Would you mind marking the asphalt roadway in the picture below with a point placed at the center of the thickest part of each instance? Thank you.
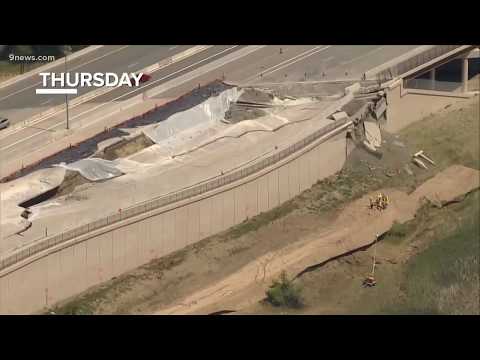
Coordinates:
(19, 100)
(271, 64)
(320, 62)
(268, 64)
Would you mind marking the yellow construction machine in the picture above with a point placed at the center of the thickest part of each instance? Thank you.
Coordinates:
(381, 202)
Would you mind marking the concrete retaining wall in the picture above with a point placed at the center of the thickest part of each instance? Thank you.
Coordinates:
(98, 256)
(407, 106)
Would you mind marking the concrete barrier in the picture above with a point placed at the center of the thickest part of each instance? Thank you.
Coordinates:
(175, 58)
(474, 54)
(189, 52)
(352, 89)
(415, 60)
(372, 73)
(204, 69)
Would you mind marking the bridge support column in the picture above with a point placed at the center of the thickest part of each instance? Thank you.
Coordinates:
(465, 73)
(432, 79)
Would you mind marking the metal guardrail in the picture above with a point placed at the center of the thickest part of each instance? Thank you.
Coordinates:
(162, 201)
(415, 61)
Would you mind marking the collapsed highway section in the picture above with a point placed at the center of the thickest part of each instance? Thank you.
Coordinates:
(160, 186)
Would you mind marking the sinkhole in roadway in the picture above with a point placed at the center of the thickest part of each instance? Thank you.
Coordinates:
(71, 180)
(125, 146)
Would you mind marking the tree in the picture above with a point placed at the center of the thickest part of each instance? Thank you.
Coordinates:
(23, 50)
(283, 292)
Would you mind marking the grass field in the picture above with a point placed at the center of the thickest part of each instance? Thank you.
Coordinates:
(9, 70)
(444, 278)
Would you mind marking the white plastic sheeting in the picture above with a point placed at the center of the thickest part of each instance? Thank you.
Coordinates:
(94, 169)
(194, 120)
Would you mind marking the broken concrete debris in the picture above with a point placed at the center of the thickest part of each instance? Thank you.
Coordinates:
(422, 155)
(339, 115)
(419, 163)
(380, 108)
(372, 134)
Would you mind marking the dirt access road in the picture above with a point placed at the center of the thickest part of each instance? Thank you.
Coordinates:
(355, 227)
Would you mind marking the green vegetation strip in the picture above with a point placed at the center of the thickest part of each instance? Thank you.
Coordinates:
(444, 278)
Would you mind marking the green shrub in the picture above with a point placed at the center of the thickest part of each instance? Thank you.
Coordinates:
(399, 232)
(398, 229)
(72, 309)
(284, 293)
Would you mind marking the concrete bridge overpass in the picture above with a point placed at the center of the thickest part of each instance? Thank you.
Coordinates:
(421, 60)
(411, 82)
